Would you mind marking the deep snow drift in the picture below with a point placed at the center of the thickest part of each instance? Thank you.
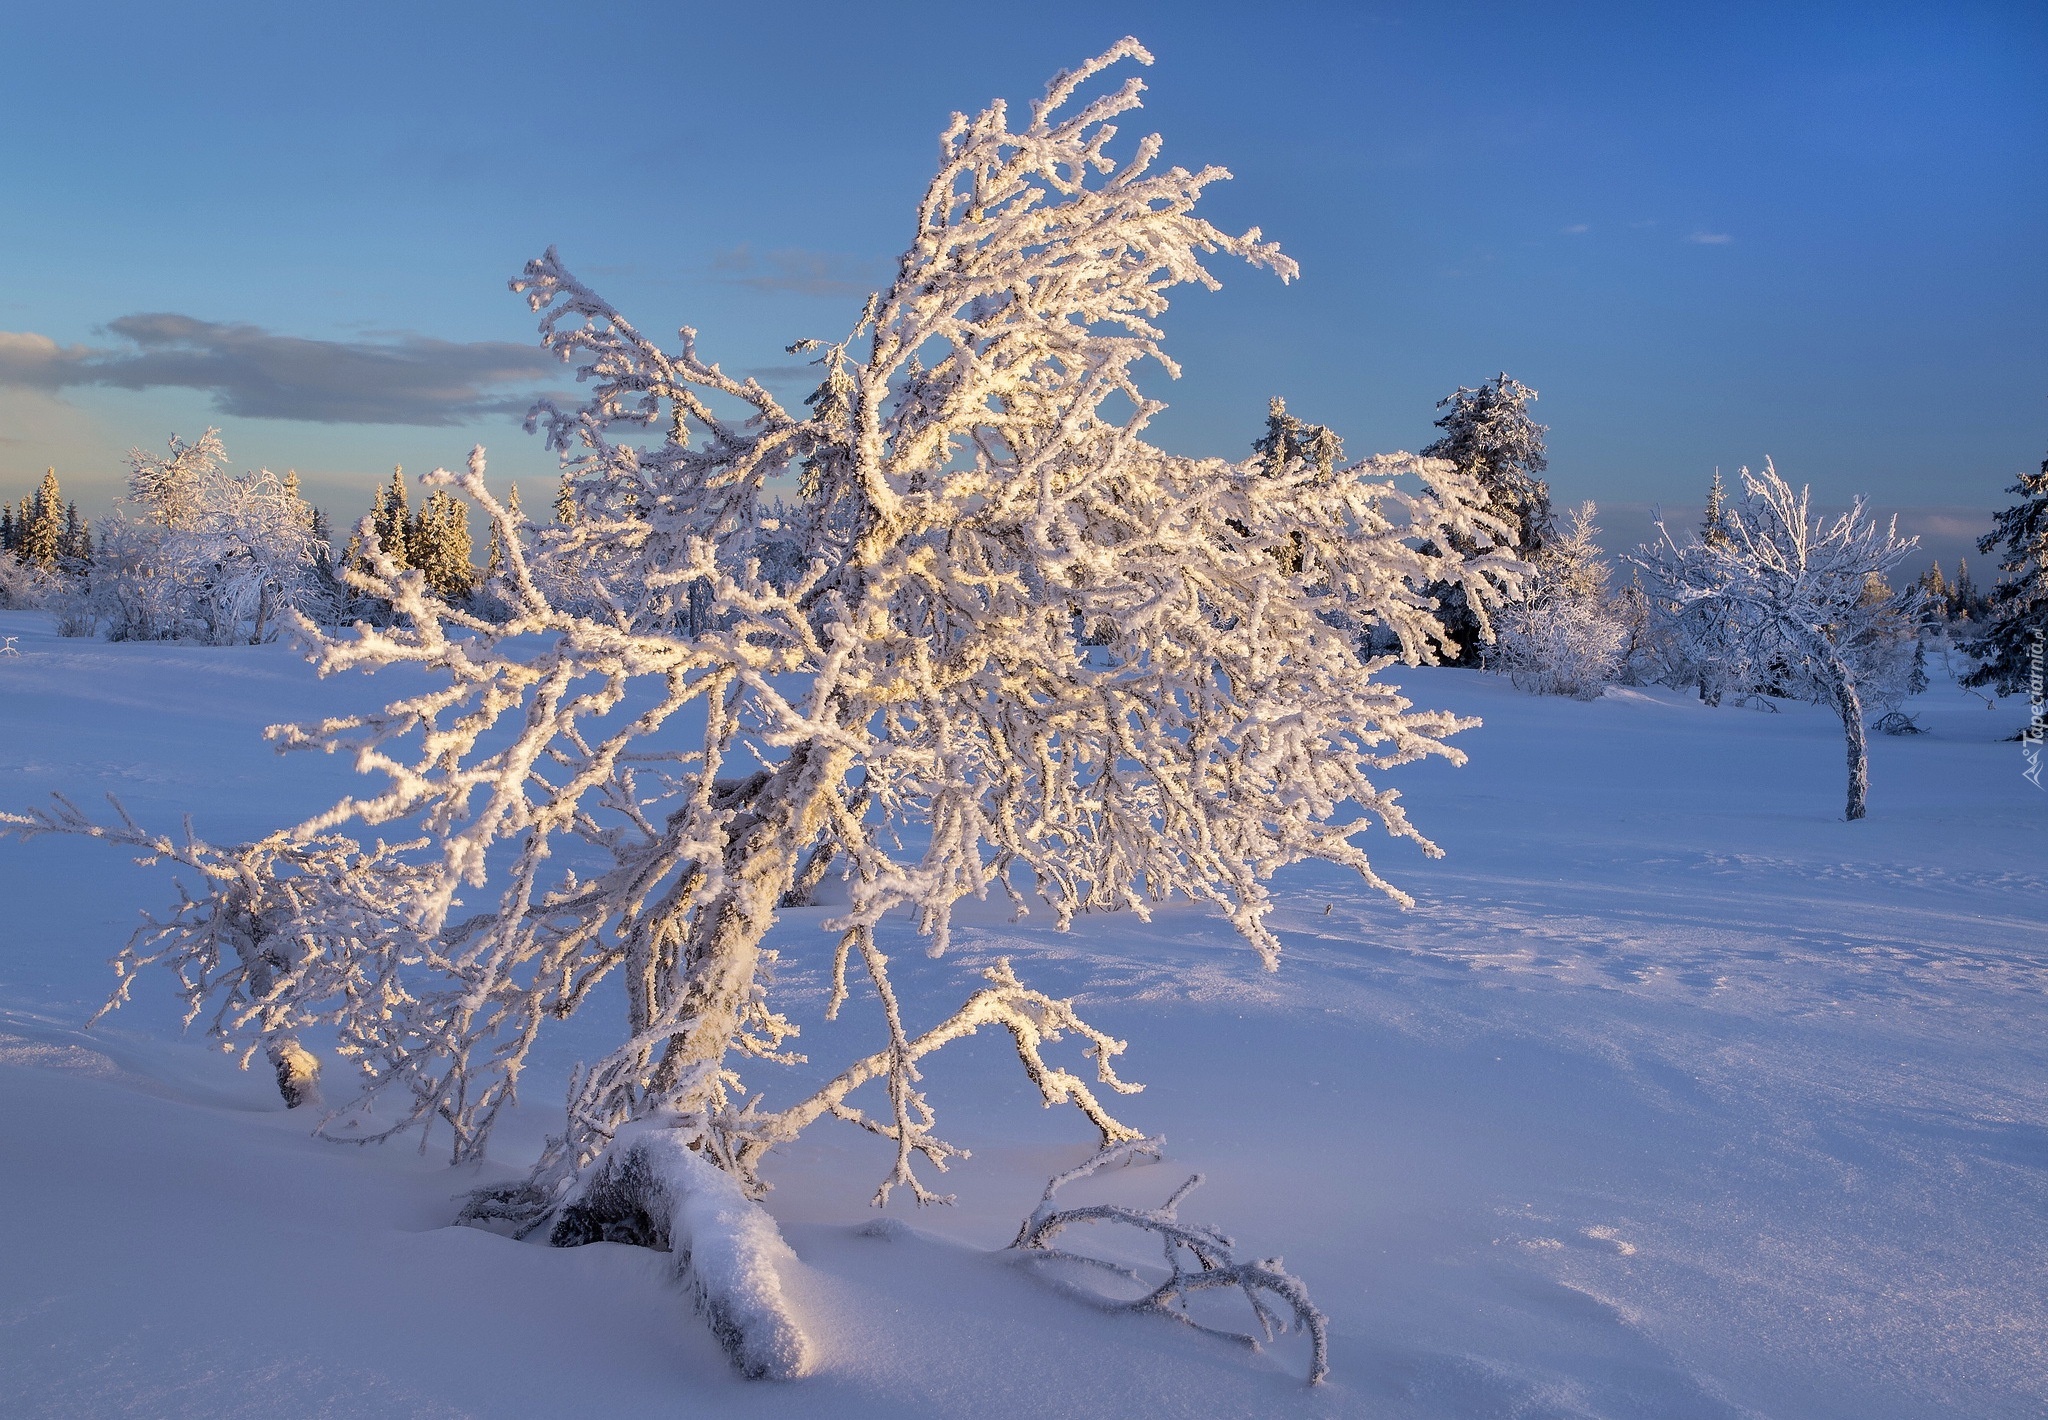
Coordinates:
(1675, 1096)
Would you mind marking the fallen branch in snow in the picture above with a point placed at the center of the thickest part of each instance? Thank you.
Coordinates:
(1216, 1264)
(651, 1188)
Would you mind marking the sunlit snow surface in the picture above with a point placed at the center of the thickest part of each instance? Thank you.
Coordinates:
(1675, 1097)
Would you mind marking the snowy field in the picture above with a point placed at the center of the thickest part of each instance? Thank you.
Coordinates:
(1674, 1097)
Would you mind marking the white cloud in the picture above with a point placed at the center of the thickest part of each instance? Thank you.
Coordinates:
(1577, 229)
(1711, 239)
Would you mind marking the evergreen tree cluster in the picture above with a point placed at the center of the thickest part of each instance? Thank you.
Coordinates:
(435, 540)
(44, 531)
(1959, 601)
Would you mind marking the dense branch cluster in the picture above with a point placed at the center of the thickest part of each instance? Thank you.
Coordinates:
(952, 628)
(202, 554)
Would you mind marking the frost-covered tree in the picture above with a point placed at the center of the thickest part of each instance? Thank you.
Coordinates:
(1489, 435)
(1714, 524)
(39, 525)
(253, 552)
(206, 554)
(1568, 637)
(633, 777)
(2014, 625)
(1934, 593)
(1289, 443)
(391, 519)
(1786, 588)
(437, 542)
(166, 489)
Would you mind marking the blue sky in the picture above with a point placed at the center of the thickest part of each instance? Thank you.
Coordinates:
(1705, 233)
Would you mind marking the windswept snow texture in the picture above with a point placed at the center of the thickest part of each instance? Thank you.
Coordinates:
(1675, 1097)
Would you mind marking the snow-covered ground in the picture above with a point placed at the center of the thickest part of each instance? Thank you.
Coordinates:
(1675, 1096)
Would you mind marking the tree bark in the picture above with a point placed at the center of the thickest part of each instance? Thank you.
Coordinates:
(1849, 706)
(722, 952)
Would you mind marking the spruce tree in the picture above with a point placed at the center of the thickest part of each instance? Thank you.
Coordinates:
(1934, 591)
(43, 539)
(1963, 598)
(1287, 443)
(391, 520)
(76, 548)
(2014, 641)
(1714, 527)
(1489, 435)
(7, 528)
(439, 544)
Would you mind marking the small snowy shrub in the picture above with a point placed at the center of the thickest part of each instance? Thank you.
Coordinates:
(23, 585)
(1568, 637)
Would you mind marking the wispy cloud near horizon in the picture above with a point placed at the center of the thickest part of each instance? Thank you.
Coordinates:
(800, 271)
(1711, 239)
(256, 373)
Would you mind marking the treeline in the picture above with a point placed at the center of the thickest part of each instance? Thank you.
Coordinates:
(197, 552)
(43, 530)
(1698, 608)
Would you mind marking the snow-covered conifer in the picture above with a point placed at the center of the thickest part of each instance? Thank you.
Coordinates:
(1714, 525)
(1786, 588)
(437, 542)
(494, 558)
(2008, 644)
(74, 544)
(1966, 600)
(1934, 593)
(39, 526)
(391, 519)
(1490, 436)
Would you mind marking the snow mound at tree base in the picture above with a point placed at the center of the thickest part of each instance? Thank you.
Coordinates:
(651, 1189)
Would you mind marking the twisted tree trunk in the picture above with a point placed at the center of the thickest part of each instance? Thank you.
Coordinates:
(1849, 705)
(713, 980)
